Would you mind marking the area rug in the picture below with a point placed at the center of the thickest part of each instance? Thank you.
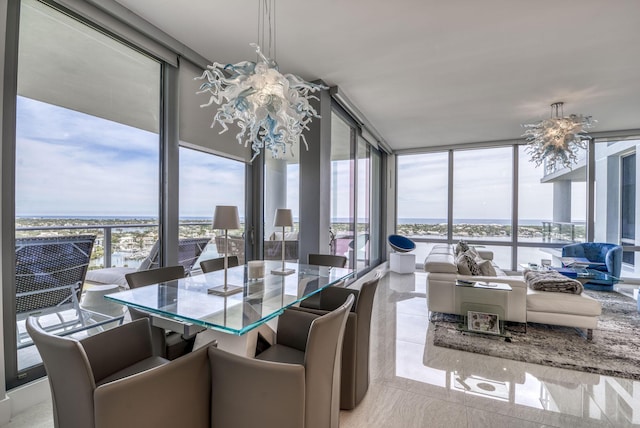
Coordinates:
(614, 350)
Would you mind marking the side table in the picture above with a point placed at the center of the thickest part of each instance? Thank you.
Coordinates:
(483, 306)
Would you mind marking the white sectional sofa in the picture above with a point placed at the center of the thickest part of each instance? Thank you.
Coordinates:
(524, 305)
(441, 283)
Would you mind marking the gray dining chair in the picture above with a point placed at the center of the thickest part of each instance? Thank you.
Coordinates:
(313, 302)
(327, 260)
(213, 265)
(355, 351)
(293, 384)
(176, 394)
(77, 368)
(167, 344)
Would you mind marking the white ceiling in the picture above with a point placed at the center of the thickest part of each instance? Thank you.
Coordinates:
(432, 73)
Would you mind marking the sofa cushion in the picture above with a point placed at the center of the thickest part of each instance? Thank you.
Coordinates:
(486, 268)
(112, 275)
(441, 249)
(444, 263)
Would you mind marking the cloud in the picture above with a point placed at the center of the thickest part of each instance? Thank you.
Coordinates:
(482, 186)
(208, 180)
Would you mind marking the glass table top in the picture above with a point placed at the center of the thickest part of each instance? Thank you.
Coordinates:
(586, 273)
(188, 299)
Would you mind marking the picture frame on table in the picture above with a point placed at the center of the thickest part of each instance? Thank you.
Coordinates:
(483, 322)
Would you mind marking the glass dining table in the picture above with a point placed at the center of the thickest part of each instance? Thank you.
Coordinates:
(186, 305)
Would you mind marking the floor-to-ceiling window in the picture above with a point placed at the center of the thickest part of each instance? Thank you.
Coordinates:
(482, 195)
(616, 198)
(375, 218)
(362, 244)
(628, 206)
(342, 187)
(281, 190)
(551, 208)
(422, 208)
(202, 176)
(87, 150)
(356, 179)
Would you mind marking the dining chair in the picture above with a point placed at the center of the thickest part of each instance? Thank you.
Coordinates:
(355, 351)
(293, 384)
(313, 301)
(213, 265)
(77, 368)
(112, 380)
(167, 344)
(327, 260)
(176, 394)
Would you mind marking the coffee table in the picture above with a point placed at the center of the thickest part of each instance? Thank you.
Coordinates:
(484, 306)
(582, 274)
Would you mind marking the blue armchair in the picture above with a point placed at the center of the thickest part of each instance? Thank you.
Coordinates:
(598, 252)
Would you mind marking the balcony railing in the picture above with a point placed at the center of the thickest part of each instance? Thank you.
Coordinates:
(557, 231)
(105, 233)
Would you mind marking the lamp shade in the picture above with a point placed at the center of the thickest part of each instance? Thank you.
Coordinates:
(283, 218)
(226, 217)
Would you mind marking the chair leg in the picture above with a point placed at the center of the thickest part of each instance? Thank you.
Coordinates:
(589, 334)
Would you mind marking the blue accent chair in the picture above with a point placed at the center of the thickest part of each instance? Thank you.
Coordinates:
(598, 252)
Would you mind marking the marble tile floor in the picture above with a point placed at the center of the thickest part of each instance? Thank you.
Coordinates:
(417, 385)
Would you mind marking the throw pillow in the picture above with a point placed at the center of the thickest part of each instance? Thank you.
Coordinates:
(463, 267)
(487, 268)
(461, 247)
(467, 261)
(471, 262)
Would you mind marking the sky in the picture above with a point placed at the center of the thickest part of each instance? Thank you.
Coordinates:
(73, 164)
(482, 186)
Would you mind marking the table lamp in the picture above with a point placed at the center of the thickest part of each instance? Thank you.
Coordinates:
(283, 219)
(226, 217)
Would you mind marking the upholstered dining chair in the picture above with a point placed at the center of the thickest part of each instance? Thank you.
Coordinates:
(213, 265)
(313, 302)
(76, 368)
(293, 384)
(170, 345)
(112, 380)
(355, 351)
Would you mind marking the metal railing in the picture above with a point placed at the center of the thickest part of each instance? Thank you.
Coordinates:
(559, 231)
(107, 232)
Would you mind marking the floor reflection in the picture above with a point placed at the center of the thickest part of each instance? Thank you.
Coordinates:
(528, 391)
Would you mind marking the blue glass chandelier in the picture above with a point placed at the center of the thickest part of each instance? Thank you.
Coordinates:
(271, 109)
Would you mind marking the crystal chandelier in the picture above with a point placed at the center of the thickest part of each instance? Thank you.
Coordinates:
(558, 139)
(271, 109)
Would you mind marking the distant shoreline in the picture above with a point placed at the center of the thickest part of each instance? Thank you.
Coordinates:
(529, 222)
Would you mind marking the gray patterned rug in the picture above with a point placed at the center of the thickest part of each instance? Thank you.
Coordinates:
(614, 350)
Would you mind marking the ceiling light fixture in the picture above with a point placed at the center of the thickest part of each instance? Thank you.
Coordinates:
(271, 109)
(557, 140)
